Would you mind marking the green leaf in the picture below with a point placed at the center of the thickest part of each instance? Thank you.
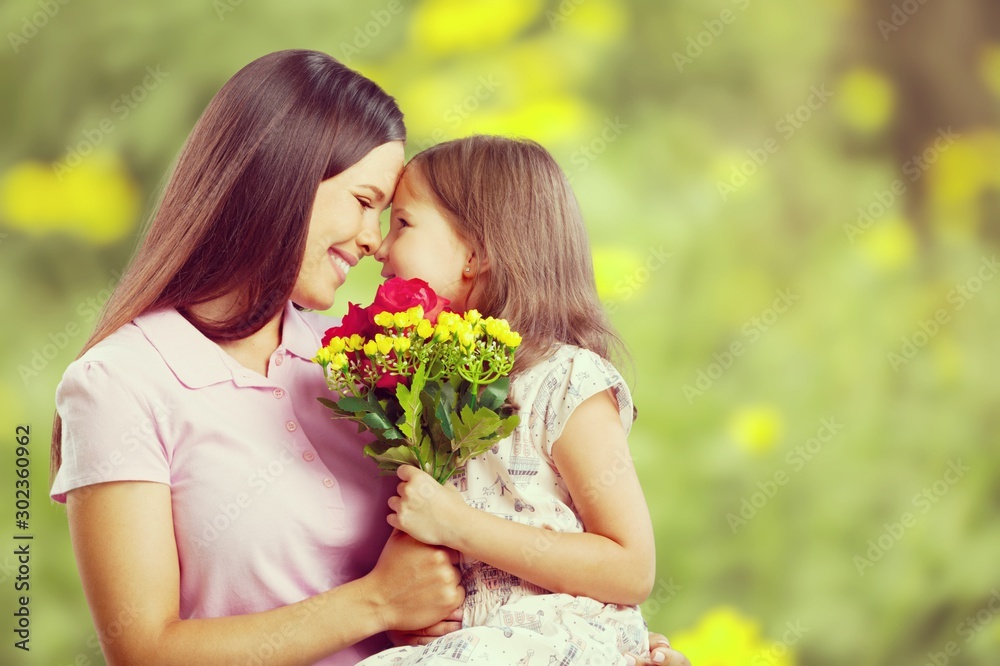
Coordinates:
(394, 457)
(495, 394)
(409, 401)
(335, 408)
(354, 405)
(378, 422)
(472, 426)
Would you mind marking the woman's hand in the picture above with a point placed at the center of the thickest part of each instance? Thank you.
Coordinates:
(415, 585)
(660, 654)
(424, 636)
(425, 509)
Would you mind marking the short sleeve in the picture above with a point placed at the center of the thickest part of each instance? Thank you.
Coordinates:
(570, 380)
(109, 432)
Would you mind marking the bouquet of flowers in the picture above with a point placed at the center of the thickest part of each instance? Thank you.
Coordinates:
(430, 384)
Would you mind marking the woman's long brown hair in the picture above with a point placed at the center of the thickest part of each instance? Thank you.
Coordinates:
(234, 216)
(509, 200)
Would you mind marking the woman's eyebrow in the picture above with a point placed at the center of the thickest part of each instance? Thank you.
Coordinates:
(379, 194)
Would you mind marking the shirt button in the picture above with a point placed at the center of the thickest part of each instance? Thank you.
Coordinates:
(279, 393)
(279, 359)
(291, 426)
(308, 456)
(328, 482)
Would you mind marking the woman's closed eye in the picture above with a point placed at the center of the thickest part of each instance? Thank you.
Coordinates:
(365, 203)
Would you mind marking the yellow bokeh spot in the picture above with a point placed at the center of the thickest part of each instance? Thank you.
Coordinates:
(612, 268)
(989, 67)
(95, 199)
(958, 179)
(444, 27)
(724, 637)
(548, 119)
(757, 429)
(600, 21)
(865, 99)
(959, 172)
(889, 244)
(949, 361)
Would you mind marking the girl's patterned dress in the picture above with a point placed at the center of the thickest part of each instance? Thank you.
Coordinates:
(508, 620)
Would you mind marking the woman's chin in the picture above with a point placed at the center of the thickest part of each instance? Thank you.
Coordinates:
(315, 301)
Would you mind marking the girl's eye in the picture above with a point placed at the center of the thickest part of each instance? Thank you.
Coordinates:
(402, 223)
(364, 203)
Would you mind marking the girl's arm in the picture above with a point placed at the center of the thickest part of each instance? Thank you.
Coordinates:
(613, 561)
(123, 537)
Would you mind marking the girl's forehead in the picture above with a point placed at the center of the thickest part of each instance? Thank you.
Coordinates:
(411, 183)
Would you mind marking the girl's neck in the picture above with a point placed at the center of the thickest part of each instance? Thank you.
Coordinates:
(252, 352)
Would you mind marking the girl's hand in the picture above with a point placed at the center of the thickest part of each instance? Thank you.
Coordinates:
(426, 510)
(424, 636)
(660, 654)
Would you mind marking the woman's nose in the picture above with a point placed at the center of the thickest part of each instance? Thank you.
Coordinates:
(370, 238)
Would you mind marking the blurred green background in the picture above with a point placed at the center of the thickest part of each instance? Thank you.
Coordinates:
(793, 209)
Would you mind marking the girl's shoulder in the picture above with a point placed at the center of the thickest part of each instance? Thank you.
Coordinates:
(549, 391)
(571, 361)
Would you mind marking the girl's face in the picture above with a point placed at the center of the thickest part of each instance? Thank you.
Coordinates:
(422, 243)
(344, 225)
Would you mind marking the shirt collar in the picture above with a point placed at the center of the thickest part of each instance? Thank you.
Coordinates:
(198, 362)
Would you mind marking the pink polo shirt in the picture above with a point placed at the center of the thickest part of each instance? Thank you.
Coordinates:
(273, 501)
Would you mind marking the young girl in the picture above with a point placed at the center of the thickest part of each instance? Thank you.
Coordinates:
(555, 534)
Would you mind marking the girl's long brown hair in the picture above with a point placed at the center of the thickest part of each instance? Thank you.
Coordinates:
(234, 216)
(509, 200)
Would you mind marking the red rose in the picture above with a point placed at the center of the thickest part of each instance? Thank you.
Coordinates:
(357, 320)
(399, 295)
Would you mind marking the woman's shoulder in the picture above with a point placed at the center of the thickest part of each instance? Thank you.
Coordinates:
(319, 322)
(124, 347)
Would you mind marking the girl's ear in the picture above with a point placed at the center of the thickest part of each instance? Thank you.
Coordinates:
(475, 264)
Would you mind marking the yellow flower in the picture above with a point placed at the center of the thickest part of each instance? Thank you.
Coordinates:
(383, 342)
(466, 338)
(724, 637)
(401, 319)
(401, 344)
(337, 345)
(322, 356)
(425, 328)
(473, 316)
(442, 332)
(416, 313)
(512, 339)
(339, 362)
(497, 328)
(384, 319)
(370, 348)
(355, 342)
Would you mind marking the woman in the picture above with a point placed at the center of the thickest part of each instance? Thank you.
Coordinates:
(215, 511)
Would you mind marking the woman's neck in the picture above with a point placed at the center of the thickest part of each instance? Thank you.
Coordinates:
(254, 351)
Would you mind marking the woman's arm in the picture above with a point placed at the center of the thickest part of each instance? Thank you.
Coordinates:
(613, 561)
(123, 537)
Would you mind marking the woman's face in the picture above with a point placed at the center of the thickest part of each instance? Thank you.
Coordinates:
(422, 243)
(344, 225)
